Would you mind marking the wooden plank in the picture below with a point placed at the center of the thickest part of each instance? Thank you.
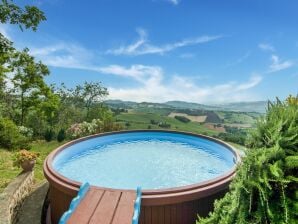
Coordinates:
(161, 214)
(85, 209)
(105, 210)
(125, 208)
(168, 214)
(154, 214)
(179, 213)
(148, 215)
(142, 216)
(174, 214)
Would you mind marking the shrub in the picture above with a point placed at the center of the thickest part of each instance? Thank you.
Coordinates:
(61, 135)
(154, 122)
(49, 135)
(10, 137)
(85, 128)
(238, 138)
(27, 132)
(265, 189)
(182, 119)
(164, 125)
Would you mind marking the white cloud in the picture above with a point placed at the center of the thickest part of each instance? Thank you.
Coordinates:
(278, 65)
(147, 75)
(155, 87)
(266, 47)
(174, 2)
(65, 55)
(142, 46)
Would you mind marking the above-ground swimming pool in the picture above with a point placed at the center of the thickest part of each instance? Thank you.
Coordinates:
(178, 171)
(152, 160)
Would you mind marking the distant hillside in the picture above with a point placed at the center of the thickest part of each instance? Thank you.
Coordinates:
(189, 105)
(120, 104)
(258, 106)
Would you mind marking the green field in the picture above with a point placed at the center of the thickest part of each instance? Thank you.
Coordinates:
(238, 118)
(143, 120)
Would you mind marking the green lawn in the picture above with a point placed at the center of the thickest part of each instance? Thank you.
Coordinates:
(9, 172)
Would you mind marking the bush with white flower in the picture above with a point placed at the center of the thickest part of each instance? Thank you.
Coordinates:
(27, 132)
(78, 130)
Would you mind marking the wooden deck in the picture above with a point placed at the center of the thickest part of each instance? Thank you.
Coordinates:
(105, 207)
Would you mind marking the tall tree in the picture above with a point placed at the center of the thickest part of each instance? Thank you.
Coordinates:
(29, 87)
(85, 95)
(93, 92)
(27, 17)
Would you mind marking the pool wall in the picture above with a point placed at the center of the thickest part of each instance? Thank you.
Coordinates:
(165, 206)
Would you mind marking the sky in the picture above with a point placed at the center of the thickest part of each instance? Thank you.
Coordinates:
(204, 51)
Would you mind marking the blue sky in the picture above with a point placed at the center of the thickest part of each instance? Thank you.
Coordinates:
(204, 51)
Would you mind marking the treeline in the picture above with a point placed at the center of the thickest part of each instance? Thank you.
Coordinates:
(30, 108)
(234, 134)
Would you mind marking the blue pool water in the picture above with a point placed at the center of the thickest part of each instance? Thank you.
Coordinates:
(152, 160)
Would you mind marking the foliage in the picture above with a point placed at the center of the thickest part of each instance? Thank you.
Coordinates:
(78, 130)
(27, 132)
(164, 125)
(10, 136)
(233, 134)
(154, 122)
(85, 128)
(22, 156)
(61, 135)
(49, 135)
(292, 100)
(182, 119)
(28, 17)
(89, 96)
(212, 117)
(30, 89)
(265, 189)
(238, 137)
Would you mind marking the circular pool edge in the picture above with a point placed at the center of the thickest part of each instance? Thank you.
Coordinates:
(160, 197)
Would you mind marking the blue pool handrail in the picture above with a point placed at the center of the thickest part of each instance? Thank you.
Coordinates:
(137, 207)
(74, 203)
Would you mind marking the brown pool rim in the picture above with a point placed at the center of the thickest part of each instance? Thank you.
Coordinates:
(149, 197)
(163, 206)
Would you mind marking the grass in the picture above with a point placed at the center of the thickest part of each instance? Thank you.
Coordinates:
(8, 172)
(142, 121)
